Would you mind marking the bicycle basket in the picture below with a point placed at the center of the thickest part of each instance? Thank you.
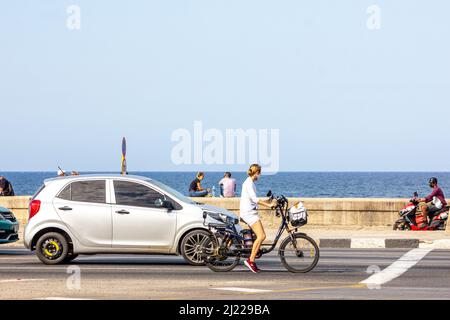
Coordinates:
(298, 215)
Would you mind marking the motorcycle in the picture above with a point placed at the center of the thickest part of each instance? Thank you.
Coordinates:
(412, 218)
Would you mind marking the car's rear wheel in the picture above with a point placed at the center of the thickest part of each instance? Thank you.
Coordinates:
(192, 247)
(52, 248)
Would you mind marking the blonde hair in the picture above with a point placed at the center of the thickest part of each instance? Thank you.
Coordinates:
(254, 169)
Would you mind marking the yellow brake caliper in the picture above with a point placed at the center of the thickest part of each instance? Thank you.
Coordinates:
(48, 253)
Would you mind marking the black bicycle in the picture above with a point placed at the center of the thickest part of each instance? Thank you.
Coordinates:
(226, 245)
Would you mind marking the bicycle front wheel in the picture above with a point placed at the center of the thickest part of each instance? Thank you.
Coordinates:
(300, 254)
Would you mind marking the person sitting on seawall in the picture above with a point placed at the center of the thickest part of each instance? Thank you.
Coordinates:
(435, 201)
(6, 188)
(62, 173)
(196, 189)
(249, 212)
(227, 186)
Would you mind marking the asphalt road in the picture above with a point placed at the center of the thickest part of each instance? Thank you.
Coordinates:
(337, 276)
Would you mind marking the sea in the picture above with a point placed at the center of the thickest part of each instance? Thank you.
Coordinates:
(291, 184)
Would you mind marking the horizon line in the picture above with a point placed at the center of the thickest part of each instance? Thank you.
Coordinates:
(243, 171)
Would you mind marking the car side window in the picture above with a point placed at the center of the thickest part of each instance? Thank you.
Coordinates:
(65, 194)
(93, 191)
(136, 195)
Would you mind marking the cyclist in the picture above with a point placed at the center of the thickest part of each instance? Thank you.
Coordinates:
(249, 212)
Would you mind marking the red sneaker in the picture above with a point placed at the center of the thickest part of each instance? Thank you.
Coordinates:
(252, 266)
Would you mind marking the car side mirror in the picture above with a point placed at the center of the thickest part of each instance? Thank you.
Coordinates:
(164, 204)
(269, 194)
(416, 194)
(168, 205)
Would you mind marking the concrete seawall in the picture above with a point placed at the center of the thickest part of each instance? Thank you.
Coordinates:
(332, 211)
(18, 205)
(322, 211)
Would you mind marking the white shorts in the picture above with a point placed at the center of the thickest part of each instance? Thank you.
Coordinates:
(250, 218)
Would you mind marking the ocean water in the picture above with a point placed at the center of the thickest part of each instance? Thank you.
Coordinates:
(292, 184)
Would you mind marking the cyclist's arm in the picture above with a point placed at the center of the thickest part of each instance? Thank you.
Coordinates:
(267, 203)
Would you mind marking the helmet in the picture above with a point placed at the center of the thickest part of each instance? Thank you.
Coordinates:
(433, 181)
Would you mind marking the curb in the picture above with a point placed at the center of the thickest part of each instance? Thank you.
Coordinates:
(379, 243)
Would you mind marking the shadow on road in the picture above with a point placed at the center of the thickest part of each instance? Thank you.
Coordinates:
(15, 252)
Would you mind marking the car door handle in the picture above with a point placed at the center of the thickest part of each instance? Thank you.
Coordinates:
(65, 208)
(123, 212)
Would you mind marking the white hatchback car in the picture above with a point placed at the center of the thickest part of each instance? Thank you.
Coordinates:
(93, 214)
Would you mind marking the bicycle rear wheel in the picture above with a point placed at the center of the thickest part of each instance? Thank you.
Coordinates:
(217, 258)
(300, 255)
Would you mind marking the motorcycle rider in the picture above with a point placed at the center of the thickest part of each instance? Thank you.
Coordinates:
(434, 202)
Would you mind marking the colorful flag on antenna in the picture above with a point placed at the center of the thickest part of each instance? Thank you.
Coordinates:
(124, 155)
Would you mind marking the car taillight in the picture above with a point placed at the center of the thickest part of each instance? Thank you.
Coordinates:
(35, 205)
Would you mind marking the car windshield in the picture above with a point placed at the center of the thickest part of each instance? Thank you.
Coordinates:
(172, 192)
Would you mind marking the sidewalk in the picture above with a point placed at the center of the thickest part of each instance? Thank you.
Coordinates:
(372, 237)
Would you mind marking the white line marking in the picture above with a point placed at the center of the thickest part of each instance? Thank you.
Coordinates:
(399, 267)
(242, 289)
(363, 243)
(20, 280)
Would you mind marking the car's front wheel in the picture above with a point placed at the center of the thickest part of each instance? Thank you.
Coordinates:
(192, 247)
(52, 248)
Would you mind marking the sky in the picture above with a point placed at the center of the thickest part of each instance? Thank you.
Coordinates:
(344, 95)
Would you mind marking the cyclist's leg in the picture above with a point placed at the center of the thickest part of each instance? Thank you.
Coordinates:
(258, 229)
